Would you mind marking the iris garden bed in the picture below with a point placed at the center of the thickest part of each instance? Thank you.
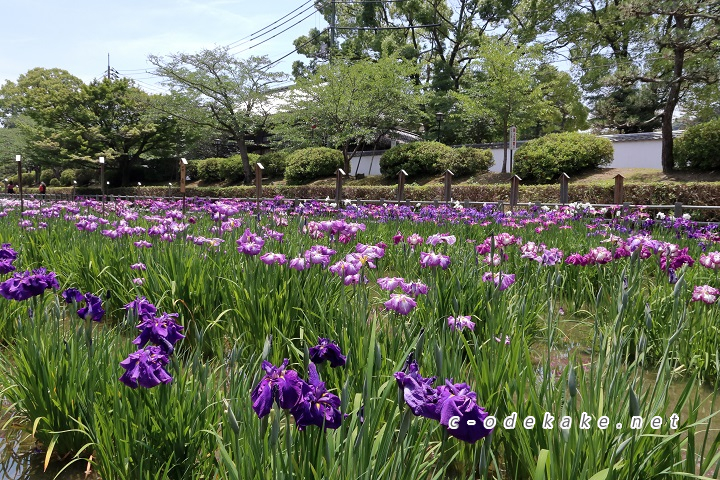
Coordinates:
(301, 341)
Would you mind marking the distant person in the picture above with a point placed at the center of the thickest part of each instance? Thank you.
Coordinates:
(10, 188)
(42, 188)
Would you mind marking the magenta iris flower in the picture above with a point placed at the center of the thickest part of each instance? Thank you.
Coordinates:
(142, 244)
(705, 293)
(327, 350)
(343, 268)
(317, 406)
(414, 240)
(400, 303)
(461, 322)
(432, 259)
(299, 264)
(501, 280)
(250, 243)
(273, 258)
(390, 283)
(414, 288)
(711, 260)
(145, 368)
(22, 286)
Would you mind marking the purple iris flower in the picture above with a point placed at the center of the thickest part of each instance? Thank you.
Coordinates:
(414, 288)
(6, 266)
(433, 259)
(272, 258)
(7, 252)
(138, 266)
(72, 295)
(327, 350)
(461, 322)
(145, 368)
(93, 308)
(344, 269)
(400, 303)
(279, 384)
(315, 257)
(141, 307)
(163, 331)
(318, 406)
(459, 401)
(22, 286)
(142, 244)
(501, 280)
(250, 243)
(419, 393)
(390, 283)
(299, 264)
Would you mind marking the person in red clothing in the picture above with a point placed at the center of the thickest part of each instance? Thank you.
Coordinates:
(42, 188)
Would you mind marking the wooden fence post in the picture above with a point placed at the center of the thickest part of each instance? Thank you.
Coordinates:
(447, 192)
(339, 174)
(619, 196)
(401, 186)
(514, 191)
(258, 181)
(564, 188)
(678, 209)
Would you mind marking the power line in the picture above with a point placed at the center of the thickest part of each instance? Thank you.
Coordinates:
(296, 49)
(268, 26)
(255, 37)
(282, 31)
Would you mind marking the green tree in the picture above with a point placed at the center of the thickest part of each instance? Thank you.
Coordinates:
(683, 45)
(216, 90)
(506, 92)
(349, 104)
(66, 123)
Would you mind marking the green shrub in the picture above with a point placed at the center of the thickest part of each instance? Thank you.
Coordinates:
(54, 182)
(699, 147)
(274, 163)
(312, 163)
(468, 160)
(209, 170)
(191, 169)
(417, 159)
(543, 159)
(231, 169)
(46, 176)
(66, 177)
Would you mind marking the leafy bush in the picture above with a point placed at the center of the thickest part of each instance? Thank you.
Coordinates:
(467, 160)
(543, 159)
(210, 170)
(699, 147)
(417, 158)
(66, 177)
(274, 163)
(46, 176)
(228, 170)
(312, 163)
(54, 182)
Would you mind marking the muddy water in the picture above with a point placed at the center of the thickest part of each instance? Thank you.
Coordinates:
(20, 459)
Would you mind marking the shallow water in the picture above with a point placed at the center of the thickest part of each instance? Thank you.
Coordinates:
(20, 459)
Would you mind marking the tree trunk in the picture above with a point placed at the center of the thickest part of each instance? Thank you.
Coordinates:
(242, 149)
(346, 158)
(668, 162)
(124, 166)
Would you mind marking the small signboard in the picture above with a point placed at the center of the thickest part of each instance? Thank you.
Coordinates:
(513, 138)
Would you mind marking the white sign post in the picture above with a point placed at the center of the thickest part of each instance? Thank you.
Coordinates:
(513, 144)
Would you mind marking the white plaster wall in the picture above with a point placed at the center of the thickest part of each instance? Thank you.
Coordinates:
(629, 154)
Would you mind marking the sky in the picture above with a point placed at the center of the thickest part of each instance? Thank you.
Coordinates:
(78, 35)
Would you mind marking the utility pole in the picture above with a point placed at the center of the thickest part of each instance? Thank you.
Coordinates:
(112, 74)
(333, 21)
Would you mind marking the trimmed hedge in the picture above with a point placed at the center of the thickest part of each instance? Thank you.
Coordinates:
(431, 158)
(310, 164)
(274, 163)
(660, 193)
(543, 159)
(699, 147)
(227, 170)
